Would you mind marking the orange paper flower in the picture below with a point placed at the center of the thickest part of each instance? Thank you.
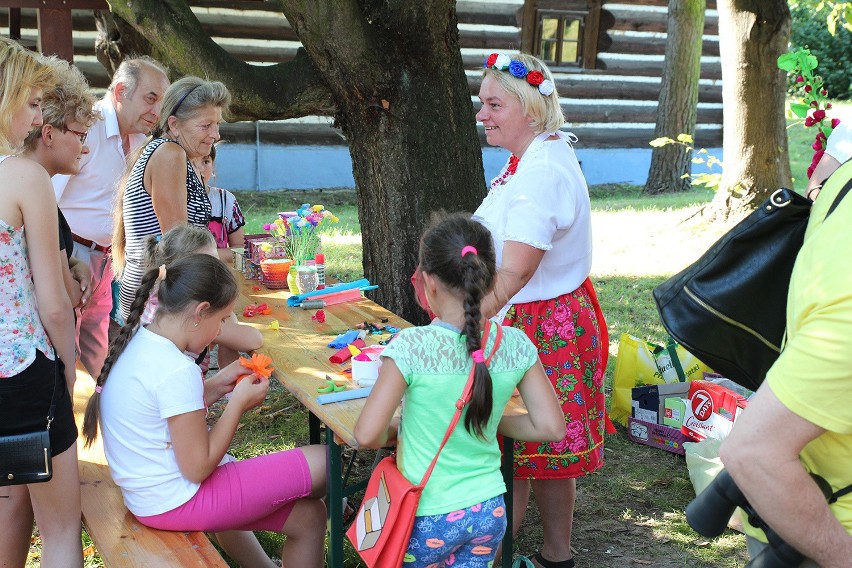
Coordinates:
(259, 364)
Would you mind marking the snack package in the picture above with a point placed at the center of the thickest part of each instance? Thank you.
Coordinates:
(710, 411)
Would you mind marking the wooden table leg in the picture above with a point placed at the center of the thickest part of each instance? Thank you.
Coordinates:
(508, 469)
(334, 502)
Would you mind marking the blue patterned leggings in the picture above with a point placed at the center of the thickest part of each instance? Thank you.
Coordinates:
(467, 537)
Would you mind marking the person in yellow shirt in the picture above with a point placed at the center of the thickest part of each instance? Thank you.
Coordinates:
(800, 420)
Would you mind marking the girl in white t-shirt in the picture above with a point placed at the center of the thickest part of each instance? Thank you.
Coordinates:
(172, 470)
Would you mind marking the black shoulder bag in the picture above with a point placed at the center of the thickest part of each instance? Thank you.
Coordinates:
(729, 307)
(26, 458)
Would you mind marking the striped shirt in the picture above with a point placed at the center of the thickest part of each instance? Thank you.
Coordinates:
(140, 221)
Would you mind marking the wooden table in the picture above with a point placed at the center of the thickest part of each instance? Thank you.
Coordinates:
(299, 351)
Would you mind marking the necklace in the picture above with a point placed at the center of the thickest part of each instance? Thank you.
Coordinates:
(510, 170)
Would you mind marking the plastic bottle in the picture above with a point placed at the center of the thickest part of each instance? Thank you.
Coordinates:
(320, 265)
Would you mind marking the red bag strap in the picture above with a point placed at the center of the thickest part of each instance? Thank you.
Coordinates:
(466, 394)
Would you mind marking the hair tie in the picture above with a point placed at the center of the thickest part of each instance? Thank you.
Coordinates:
(478, 357)
(467, 249)
(99, 389)
(162, 275)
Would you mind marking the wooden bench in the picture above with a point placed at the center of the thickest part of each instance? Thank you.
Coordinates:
(119, 538)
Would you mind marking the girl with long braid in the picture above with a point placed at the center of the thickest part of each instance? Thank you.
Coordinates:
(173, 472)
(461, 512)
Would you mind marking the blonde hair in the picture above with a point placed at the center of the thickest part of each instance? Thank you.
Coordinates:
(544, 111)
(20, 71)
(176, 243)
(183, 100)
(70, 101)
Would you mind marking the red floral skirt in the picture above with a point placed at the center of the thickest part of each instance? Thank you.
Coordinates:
(567, 332)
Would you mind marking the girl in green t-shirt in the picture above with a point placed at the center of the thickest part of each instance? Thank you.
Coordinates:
(461, 514)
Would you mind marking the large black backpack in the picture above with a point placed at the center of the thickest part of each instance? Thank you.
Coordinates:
(729, 307)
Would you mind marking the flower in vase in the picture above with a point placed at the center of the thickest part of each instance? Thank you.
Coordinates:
(299, 232)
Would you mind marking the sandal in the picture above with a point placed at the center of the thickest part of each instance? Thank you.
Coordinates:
(541, 561)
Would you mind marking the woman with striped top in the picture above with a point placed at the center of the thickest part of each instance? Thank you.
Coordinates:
(162, 189)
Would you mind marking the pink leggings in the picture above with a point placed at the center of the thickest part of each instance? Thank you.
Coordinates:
(256, 494)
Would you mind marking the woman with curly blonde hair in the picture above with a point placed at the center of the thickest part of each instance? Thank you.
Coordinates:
(67, 114)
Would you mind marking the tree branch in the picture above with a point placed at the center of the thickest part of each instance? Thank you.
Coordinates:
(284, 90)
(338, 35)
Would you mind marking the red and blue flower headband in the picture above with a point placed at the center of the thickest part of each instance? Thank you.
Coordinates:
(502, 62)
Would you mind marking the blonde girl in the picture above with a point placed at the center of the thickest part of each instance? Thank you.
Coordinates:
(37, 322)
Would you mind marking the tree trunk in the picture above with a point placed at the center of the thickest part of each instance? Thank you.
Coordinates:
(116, 40)
(392, 75)
(677, 109)
(752, 34)
(405, 108)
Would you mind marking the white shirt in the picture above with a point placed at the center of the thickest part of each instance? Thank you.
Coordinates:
(151, 381)
(544, 205)
(87, 199)
(839, 145)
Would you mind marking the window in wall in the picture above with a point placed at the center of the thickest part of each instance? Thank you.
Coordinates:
(559, 37)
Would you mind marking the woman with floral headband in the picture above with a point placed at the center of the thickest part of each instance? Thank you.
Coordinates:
(543, 286)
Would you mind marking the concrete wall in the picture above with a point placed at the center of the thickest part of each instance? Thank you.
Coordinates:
(264, 167)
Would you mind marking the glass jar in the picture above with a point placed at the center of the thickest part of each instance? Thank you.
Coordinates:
(307, 279)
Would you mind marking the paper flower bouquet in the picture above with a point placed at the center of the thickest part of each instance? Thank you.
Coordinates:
(299, 231)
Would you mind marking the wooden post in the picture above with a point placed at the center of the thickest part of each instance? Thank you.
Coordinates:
(54, 22)
(14, 23)
(54, 33)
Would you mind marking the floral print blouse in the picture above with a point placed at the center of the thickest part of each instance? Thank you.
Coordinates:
(21, 331)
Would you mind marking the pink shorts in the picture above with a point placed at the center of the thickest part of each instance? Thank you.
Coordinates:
(256, 494)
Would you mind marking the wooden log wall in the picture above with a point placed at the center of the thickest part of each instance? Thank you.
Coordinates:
(614, 105)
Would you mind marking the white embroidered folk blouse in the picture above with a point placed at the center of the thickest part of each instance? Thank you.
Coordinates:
(544, 205)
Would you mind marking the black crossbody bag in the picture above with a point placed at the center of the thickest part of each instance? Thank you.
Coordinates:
(26, 458)
(729, 307)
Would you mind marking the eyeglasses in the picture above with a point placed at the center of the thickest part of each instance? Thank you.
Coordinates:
(81, 135)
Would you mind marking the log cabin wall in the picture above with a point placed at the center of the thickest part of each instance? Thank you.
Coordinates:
(608, 75)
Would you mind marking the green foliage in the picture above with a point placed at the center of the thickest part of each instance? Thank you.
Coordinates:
(815, 26)
(707, 179)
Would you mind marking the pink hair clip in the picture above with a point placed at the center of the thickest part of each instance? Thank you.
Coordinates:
(478, 357)
(99, 389)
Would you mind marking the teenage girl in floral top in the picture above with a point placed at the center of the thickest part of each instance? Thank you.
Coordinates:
(539, 215)
(36, 319)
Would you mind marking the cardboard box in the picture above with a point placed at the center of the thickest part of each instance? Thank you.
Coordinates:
(649, 401)
(656, 436)
(675, 410)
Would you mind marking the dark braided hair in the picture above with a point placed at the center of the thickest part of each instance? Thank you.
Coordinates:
(473, 274)
(194, 278)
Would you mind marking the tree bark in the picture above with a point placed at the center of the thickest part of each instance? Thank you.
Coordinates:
(752, 34)
(677, 110)
(392, 76)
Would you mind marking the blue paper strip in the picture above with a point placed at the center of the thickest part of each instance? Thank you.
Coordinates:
(296, 299)
(343, 395)
(344, 339)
